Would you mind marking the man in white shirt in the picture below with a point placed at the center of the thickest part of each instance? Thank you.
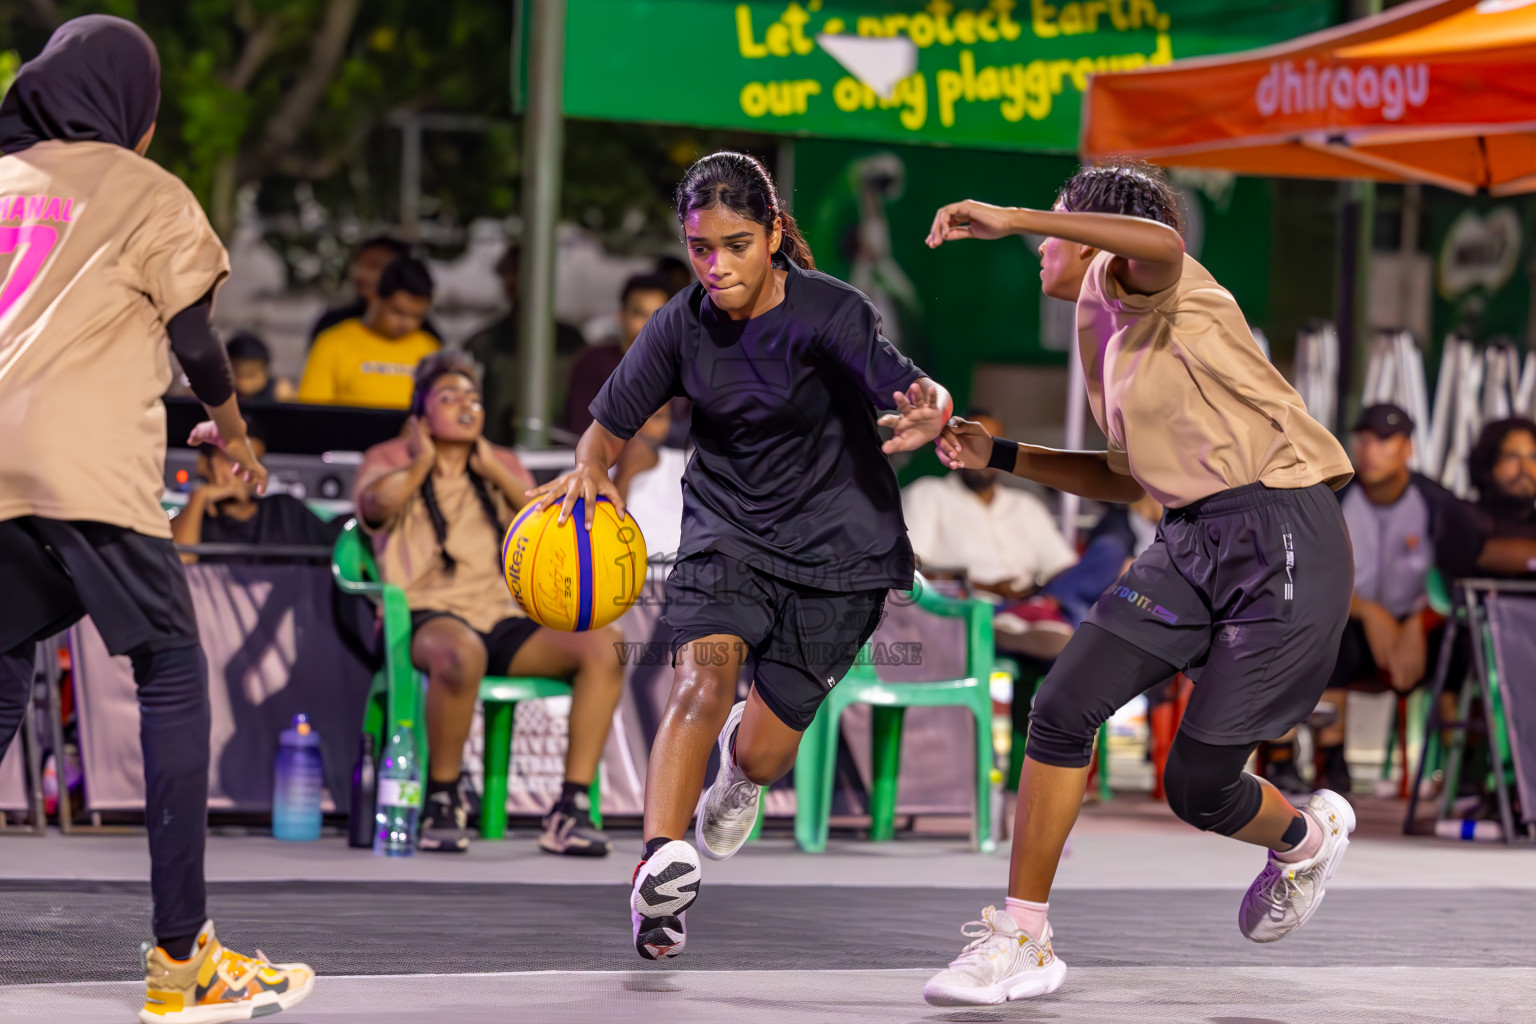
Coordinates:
(1004, 538)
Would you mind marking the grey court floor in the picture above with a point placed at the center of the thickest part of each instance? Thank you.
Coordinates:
(1414, 932)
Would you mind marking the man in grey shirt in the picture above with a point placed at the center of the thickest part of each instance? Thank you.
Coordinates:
(1401, 525)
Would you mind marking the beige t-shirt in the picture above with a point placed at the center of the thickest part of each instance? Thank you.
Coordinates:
(408, 553)
(99, 249)
(1188, 401)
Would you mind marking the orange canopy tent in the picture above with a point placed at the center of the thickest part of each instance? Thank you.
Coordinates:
(1441, 92)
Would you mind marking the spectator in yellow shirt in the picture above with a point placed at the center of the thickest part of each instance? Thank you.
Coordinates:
(370, 361)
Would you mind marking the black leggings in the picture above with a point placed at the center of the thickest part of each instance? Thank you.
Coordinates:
(1097, 674)
(173, 730)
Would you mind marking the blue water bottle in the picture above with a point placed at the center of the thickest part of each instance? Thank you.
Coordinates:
(296, 784)
(399, 799)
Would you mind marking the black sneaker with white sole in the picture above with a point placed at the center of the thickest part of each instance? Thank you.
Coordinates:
(444, 823)
(568, 830)
(665, 885)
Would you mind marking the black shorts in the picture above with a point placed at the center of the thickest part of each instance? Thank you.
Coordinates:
(502, 643)
(1247, 592)
(802, 640)
(53, 572)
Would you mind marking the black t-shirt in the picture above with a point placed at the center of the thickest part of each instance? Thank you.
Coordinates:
(787, 473)
(279, 519)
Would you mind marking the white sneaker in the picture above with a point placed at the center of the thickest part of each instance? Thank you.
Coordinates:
(665, 885)
(729, 809)
(1285, 896)
(1001, 964)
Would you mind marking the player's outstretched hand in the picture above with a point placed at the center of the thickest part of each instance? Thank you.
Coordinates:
(917, 420)
(585, 482)
(968, 219)
(964, 444)
(247, 466)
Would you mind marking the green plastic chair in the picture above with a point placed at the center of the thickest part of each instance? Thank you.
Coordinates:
(1020, 738)
(815, 764)
(397, 695)
(1411, 713)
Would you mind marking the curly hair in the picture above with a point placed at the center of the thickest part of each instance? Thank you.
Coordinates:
(1122, 185)
(1485, 453)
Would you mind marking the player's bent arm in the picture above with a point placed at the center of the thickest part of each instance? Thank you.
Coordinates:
(1151, 253)
(598, 449)
(187, 527)
(379, 502)
(1086, 474)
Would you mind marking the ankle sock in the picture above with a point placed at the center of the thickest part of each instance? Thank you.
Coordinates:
(1030, 917)
(574, 794)
(1307, 846)
(434, 787)
(178, 948)
(653, 845)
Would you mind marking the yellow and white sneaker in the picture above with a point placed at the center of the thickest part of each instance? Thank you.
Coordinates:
(1001, 964)
(217, 984)
(1285, 896)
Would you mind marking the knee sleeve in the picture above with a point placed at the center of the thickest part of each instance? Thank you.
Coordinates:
(1097, 674)
(1207, 786)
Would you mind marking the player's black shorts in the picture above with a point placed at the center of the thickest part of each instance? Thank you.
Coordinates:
(133, 586)
(802, 640)
(502, 643)
(1246, 591)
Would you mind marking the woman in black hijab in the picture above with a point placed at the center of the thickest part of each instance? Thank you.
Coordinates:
(97, 80)
(104, 255)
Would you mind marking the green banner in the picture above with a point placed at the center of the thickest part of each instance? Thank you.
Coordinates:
(865, 210)
(990, 74)
(1481, 249)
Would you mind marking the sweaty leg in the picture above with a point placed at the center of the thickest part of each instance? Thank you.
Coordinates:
(1097, 673)
(453, 657)
(703, 690)
(16, 666)
(173, 730)
(765, 746)
(592, 658)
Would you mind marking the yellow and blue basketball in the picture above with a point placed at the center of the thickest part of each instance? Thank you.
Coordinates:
(567, 577)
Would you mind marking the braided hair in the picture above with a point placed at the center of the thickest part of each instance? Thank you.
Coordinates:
(429, 371)
(1121, 185)
(742, 185)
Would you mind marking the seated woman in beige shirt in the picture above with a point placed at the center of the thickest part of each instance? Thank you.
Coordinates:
(437, 503)
(1245, 589)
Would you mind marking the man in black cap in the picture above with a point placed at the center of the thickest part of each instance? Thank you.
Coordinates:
(1401, 524)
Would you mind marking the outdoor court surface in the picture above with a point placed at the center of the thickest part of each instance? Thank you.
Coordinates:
(1145, 917)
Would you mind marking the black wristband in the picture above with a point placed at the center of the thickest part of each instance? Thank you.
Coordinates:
(1005, 455)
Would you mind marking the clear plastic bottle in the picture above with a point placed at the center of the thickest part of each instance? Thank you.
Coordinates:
(1470, 831)
(399, 801)
(297, 779)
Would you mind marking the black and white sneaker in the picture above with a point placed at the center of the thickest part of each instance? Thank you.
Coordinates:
(568, 830)
(665, 886)
(444, 823)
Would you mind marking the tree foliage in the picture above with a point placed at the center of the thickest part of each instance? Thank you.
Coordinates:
(296, 97)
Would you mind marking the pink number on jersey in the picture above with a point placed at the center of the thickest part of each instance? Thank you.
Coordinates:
(39, 240)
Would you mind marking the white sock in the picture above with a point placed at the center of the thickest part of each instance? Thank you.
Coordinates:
(1309, 845)
(1030, 917)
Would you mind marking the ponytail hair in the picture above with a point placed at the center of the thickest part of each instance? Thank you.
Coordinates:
(742, 185)
(429, 371)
